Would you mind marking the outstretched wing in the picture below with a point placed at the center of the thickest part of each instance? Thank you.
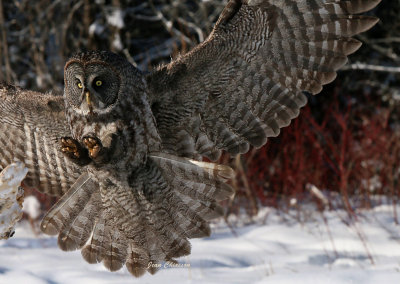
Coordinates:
(30, 124)
(246, 81)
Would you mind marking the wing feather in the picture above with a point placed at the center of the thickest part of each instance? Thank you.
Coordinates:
(246, 81)
(30, 125)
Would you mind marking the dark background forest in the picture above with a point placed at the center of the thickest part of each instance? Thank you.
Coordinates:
(342, 152)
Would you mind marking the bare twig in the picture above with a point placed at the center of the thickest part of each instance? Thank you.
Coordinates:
(5, 45)
(247, 189)
(169, 25)
(198, 30)
(68, 23)
(386, 51)
(369, 67)
(386, 40)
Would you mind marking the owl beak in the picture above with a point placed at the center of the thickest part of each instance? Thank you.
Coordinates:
(89, 102)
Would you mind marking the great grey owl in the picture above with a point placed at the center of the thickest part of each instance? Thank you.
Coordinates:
(123, 149)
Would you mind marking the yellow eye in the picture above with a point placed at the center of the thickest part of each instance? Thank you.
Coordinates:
(99, 83)
(80, 86)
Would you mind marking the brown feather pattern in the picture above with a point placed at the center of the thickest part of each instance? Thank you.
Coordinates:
(246, 81)
(30, 125)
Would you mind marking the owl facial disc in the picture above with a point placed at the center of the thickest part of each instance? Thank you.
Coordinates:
(91, 87)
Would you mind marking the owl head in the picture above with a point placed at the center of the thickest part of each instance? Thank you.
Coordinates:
(95, 81)
(106, 98)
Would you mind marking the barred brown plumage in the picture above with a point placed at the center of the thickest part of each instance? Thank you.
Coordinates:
(132, 185)
(246, 81)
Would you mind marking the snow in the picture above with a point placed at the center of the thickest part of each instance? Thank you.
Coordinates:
(31, 207)
(276, 248)
(11, 196)
(116, 18)
(117, 43)
(96, 28)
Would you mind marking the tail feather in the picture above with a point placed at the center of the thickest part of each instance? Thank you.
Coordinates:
(194, 177)
(136, 262)
(155, 198)
(197, 186)
(69, 206)
(116, 251)
(145, 222)
(75, 235)
(207, 208)
(190, 169)
(107, 244)
(93, 252)
(146, 207)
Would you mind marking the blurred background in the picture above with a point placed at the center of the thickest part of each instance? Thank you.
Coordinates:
(343, 152)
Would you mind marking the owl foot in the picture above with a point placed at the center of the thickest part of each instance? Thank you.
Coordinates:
(71, 148)
(93, 145)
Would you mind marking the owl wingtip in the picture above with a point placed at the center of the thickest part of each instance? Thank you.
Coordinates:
(368, 22)
(222, 171)
(48, 228)
(373, 4)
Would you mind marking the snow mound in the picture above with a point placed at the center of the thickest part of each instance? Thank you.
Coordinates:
(11, 198)
(276, 248)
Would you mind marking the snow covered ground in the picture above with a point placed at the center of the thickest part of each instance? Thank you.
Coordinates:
(277, 248)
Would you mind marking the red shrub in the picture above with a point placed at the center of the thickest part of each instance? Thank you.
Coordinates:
(351, 150)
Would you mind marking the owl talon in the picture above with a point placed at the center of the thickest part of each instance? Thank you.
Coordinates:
(93, 145)
(70, 147)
